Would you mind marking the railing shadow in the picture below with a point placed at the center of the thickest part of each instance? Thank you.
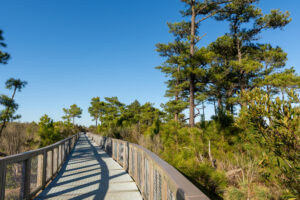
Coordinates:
(83, 155)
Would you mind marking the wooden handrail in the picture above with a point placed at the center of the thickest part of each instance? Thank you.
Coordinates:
(155, 178)
(58, 152)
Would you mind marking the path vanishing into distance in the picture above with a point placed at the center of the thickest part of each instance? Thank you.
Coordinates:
(91, 166)
(89, 173)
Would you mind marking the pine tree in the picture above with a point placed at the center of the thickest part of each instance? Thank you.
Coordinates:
(246, 22)
(272, 78)
(222, 78)
(96, 109)
(188, 32)
(3, 55)
(71, 113)
(176, 54)
(112, 111)
(10, 106)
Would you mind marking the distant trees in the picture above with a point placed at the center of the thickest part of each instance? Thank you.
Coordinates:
(96, 109)
(114, 114)
(71, 113)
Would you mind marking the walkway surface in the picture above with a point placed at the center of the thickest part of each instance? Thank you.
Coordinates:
(89, 173)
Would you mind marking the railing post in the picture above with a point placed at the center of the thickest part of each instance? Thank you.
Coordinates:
(117, 147)
(61, 154)
(151, 181)
(142, 172)
(54, 160)
(2, 179)
(25, 182)
(70, 145)
(40, 170)
(44, 176)
(57, 158)
(64, 151)
(50, 164)
(136, 165)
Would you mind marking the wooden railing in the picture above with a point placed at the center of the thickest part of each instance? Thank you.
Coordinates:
(155, 178)
(49, 161)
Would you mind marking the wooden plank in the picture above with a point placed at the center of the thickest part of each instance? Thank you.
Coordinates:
(43, 165)
(54, 160)
(25, 181)
(50, 164)
(2, 179)
(60, 155)
(39, 180)
(44, 176)
(172, 180)
(29, 154)
(70, 145)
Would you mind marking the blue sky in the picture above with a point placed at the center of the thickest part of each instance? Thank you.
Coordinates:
(70, 51)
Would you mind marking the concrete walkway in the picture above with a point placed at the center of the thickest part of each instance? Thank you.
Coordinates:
(89, 173)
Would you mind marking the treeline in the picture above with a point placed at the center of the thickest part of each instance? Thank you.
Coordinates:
(250, 147)
(19, 137)
(227, 157)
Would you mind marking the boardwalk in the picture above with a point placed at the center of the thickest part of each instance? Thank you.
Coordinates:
(89, 173)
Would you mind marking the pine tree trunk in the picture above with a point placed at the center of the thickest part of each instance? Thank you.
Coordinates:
(203, 107)
(177, 94)
(220, 107)
(242, 77)
(176, 113)
(176, 117)
(192, 78)
(192, 102)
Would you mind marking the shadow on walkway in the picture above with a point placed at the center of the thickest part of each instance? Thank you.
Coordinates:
(84, 170)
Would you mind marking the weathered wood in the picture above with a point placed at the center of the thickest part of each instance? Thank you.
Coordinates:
(60, 155)
(44, 177)
(92, 184)
(151, 181)
(50, 164)
(2, 179)
(54, 160)
(57, 158)
(43, 167)
(70, 146)
(29, 154)
(39, 179)
(64, 151)
(25, 181)
(172, 183)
